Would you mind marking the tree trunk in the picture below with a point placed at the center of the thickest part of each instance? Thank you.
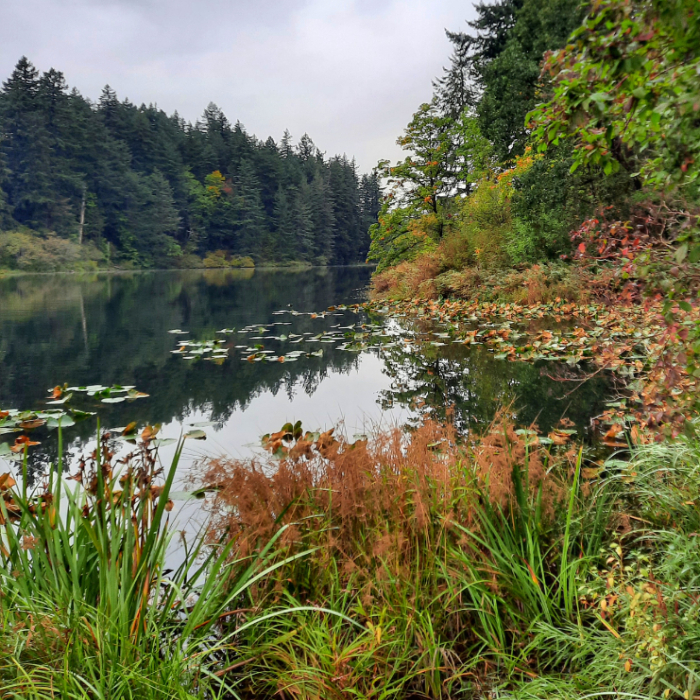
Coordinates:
(81, 227)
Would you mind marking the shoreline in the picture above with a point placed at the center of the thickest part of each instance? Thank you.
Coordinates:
(119, 271)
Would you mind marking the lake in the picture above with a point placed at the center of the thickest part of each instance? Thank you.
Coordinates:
(279, 359)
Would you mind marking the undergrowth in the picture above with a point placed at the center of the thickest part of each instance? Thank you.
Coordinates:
(496, 566)
(88, 607)
(403, 565)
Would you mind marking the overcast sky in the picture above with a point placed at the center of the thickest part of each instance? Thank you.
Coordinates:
(348, 72)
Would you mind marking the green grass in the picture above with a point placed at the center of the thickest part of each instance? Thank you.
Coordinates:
(88, 608)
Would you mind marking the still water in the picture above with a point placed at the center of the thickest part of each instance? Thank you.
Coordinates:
(111, 329)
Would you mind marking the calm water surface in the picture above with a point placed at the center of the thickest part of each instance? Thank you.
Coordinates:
(114, 329)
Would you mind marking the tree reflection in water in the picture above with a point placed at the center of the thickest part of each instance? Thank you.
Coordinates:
(113, 329)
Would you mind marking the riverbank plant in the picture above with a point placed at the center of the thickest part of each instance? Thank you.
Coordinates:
(499, 566)
(89, 607)
(397, 565)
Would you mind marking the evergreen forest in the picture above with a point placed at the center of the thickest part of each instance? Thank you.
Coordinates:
(110, 183)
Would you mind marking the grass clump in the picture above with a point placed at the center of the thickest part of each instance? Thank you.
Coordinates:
(400, 542)
(88, 608)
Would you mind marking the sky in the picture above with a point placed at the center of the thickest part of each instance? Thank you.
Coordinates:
(350, 73)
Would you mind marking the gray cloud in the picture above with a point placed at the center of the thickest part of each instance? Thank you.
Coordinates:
(348, 72)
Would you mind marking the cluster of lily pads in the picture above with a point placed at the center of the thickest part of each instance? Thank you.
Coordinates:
(621, 339)
(353, 337)
(14, 421)
(636, 343)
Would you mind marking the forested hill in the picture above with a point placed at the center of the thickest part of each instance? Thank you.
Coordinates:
(136, 186)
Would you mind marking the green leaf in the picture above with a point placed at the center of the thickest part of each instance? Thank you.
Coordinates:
(162, 442)
(60, 422)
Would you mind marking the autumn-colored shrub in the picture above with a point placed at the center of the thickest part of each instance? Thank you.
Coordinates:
(396, 531)
(216, 258)
(545, 283)
(222, 259)
(409, 280)
(375, 497)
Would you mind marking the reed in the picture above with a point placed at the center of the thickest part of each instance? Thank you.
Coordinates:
(88, 608)
(497, 567)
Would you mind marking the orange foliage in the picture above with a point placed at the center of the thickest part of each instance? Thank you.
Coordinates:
(372, 498)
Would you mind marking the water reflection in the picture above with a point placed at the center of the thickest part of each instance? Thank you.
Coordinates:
(471, 385)
(113, 329)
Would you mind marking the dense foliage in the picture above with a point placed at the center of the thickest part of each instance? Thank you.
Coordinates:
(137, 186)
(559, 131)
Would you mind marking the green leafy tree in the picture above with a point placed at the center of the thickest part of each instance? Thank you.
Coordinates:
(447, 158)
(626, 92)
(425, 177)
(401, 233)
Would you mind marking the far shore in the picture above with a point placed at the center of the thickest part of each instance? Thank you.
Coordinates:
(291, 267)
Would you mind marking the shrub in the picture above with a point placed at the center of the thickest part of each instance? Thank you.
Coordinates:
(221, 258)
(409, 279)
(32, 252)
(189, 261)
(245, 261)
(398, 526)
(216, 259)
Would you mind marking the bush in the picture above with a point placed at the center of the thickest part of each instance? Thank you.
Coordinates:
(32, 252)
(497, 568)
(189, 261)
(242, 261)
(221, 258)
(409, 280)
(216, 259)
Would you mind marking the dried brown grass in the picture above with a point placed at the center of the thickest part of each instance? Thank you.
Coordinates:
(408, 280)
(377, 498)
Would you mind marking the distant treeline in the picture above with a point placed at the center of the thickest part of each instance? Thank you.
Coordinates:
(145, 188)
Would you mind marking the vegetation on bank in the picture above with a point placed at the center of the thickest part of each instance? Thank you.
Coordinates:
(405, 565)
(130, 186)
(27, 251)
(574, 178)
(557, 162)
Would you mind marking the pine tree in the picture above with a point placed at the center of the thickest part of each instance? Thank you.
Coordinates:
(370, 195)
(284, 239)
(303, 223)
(323, 219)
(251, 224)
(26, 147)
